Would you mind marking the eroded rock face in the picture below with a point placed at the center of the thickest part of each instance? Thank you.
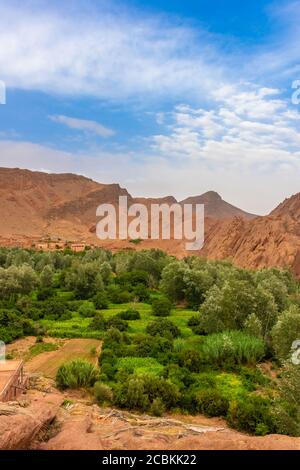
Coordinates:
(90, 428)
(21, 421)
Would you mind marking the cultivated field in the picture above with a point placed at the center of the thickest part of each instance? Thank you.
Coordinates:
(47, 363)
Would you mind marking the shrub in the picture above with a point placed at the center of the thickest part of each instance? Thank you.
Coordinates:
(103, 393)
(191, 360)
(100, 301)
(140, 391)
(212, 403)
(87, 310)
(157, 407)
(76, 374)
(44, 293)
(117, 323)
(132, 395)
(98, 322)
(161, 307)
(130, 314)
(119, 296)
(252, 415)
(286, 409)
(163, 328)
(152, 346)
(54, 309)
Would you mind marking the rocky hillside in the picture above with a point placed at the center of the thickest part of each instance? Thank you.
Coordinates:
(34, 204)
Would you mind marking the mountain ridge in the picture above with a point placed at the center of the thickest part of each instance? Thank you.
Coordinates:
(37, 204)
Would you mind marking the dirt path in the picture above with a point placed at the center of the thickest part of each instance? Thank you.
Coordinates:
(47, 363)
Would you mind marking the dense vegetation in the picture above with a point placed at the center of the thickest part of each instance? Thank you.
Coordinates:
(192, 335)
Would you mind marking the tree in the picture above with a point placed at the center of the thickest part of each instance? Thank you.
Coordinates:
(172, 281)
(87, 310)
(161, 307)
(84, 279)
(17, 280)
(253, 326)
(286, 331)
(197, 283)
(46, 277)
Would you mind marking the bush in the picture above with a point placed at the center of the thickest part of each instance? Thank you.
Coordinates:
(191, 360)
(286, 409)
(87, 310)
(98, 322)
(130, 314)
(139, 392)
(152, 346)
(252, 415)
(100, 301)
(119, 296)
(211, 403)
(161, 307)
(157, 407)
(44, 293)
(163, 328)
(103, 393)
(54, 309)
(117, 323)
(76, 374)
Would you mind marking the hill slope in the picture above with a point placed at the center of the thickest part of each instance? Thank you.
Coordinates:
(34, 204)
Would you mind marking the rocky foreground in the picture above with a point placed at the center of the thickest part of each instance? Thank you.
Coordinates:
(49, 420)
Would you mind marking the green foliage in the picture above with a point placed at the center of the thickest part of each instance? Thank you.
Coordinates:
(163, 327)
(87, 310)
(231, 348)
(130, 314)
(252, 415)
(76, 374)
(161, 307)
(286, 331)
(103, 393)
(139, 392)
(100, 301)
(84, 279)
(286, 409)
(253, 326)
(157, 407)
(210, 402)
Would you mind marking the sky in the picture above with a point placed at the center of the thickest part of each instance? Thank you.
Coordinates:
(163, 97)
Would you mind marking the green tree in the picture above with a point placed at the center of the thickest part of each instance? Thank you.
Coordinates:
(286, 331)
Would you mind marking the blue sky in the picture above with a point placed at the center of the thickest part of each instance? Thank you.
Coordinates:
(164, 97)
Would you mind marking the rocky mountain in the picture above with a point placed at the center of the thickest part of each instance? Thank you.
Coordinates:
(35, 205)
(216, 207)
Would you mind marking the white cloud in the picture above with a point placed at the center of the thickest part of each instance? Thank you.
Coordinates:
(248, 127)
(84, 125)
(106, 54)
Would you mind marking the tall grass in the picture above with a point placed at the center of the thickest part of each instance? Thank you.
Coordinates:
(232, 348)
(76, 374)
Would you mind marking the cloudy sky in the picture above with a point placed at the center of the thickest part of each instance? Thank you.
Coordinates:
(163, 97)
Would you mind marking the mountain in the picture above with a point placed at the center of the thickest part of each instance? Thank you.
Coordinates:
(35, 205)
(216, 207)
(273, 240)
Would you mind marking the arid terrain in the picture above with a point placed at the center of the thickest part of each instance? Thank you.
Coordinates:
(45, 418)
(36, 205)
